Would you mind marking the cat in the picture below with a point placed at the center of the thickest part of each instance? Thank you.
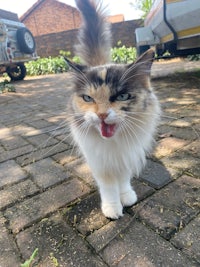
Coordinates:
(113, 111)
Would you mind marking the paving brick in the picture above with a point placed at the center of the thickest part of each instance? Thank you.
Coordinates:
(86, 215)
(21, 190)
(181, 160)
(11, 172)
(9, 255)
(140, 247)
(41, 154)
(12, 154)
(188, 239)
(2, 149)
(13, 142)
(23, 129)
(155, 174)
(186, 133)
(47, 172)
(171, 208)
(65, 157)
(142, 189)
(193, 149)
(103, 236)
(56, 240)
(5, 132)
(168, 145)
(39, 124)
(59, 119)
(81, 169)
(39, 206)
(181, 123)
(66, 138)
(42, 140)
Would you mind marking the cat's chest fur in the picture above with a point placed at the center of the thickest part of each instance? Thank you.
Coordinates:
(114, 155)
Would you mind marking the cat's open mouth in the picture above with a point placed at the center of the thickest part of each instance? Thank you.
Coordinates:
(108, 130)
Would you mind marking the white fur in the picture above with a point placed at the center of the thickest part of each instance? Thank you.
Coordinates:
(115, 160)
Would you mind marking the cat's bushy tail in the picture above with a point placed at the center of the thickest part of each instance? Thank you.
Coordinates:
(94, 35)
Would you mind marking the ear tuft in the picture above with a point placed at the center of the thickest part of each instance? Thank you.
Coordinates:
(76, 67)
(146, 60)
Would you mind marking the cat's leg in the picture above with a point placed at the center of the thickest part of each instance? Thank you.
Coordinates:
(110, 199)
(128, 196)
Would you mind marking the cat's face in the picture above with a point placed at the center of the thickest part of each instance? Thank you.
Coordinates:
(111, 98)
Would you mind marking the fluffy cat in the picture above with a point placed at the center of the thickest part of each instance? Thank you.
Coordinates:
(113, 112)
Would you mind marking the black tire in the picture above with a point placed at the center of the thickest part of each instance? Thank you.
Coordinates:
(17, 73)
(25, 41)
(141, 49)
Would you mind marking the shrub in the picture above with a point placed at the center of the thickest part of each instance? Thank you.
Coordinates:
(194, 57)
(51, 65)
(123, 54)
(48, 65)
(6, 87)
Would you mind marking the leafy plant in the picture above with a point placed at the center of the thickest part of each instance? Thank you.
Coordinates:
(29, 262)
(123, 54)
(67, 54)
(52, 65)
(194, 57)
(5, 87)
(48, 65)
(143, 5)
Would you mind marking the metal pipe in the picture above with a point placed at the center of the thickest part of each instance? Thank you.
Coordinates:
(167, 22)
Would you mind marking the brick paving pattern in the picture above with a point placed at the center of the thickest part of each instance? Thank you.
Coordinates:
(49, 201)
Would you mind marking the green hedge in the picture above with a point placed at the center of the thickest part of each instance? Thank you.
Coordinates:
(48, 65)
(52, 65)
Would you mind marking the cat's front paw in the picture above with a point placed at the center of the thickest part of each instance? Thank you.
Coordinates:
(128, 198)
(112, 210)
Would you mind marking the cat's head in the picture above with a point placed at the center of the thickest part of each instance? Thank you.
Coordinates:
(109, 98)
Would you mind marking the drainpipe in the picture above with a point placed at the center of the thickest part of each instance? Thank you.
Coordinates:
(167, 22)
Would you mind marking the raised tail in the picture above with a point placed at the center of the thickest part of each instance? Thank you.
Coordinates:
(94, 35)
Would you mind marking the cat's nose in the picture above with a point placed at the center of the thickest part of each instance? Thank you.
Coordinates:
(103, 116)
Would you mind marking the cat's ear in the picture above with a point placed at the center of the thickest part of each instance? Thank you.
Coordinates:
(76, 67)
(143, 64)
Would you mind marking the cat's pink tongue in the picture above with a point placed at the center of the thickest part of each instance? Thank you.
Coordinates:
(107, 130)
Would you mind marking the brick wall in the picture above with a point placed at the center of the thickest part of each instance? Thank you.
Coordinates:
(51, 44)
(125, 32)
(51, 16)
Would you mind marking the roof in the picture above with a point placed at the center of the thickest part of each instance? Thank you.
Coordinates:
(8, 15)
(36, 5)
(116, 18)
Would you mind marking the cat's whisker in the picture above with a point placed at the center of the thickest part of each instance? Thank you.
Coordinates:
(124, 130)
(151, 114)
(80, 79)
(132, 124)
(83, 76)
(128, 129)
(136, 119)
(130, 69)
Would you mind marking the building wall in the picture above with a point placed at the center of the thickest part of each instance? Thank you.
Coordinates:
(51, 44)
(51, 16)
(4, 14)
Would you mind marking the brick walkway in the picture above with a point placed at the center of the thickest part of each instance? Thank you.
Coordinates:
(48, 198)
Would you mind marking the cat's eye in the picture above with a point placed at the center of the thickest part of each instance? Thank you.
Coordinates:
(87, 98)
(123, 97)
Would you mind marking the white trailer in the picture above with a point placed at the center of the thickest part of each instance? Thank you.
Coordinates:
(171, 26)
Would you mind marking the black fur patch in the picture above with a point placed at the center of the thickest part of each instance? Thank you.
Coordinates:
(95, 79)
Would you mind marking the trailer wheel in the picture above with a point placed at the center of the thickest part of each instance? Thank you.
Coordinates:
(25, 41)
(17, 72)
(141, 49)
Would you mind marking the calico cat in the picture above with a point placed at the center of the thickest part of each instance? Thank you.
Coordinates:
(113, 111)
